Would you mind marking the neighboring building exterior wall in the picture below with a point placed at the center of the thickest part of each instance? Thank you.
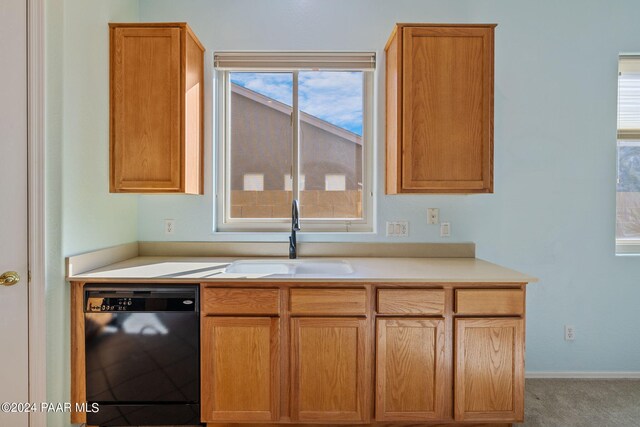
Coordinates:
(261, 143)
(323, 153)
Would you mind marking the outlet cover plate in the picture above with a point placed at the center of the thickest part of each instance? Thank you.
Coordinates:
(397, 228)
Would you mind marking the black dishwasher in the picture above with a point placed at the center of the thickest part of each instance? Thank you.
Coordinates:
(142, 346)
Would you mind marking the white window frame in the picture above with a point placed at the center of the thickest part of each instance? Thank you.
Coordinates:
(224, 221)
(630, 137)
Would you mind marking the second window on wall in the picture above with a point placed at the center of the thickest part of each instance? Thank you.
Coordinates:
(295, 126)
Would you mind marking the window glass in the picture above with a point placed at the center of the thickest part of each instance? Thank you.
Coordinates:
(628, 190)
(288, 182)
(331, 155)
(335, 183)
(253, 182)
(260, 149)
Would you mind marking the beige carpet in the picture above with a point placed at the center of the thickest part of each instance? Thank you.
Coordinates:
(582, 403)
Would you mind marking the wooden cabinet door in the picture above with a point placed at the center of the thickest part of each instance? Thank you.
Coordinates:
(489, 379)
(240, 369)
(146, 109)
(440, 109)
(330, 373)
(411, 370)
(448, 106)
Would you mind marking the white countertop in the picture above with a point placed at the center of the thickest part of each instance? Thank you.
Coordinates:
(200, 269)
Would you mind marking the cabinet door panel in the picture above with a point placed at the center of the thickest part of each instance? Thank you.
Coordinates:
(489, 382)
(411, 370)
(146, 105)
(240, 369)
(330, 373)
(440, 78)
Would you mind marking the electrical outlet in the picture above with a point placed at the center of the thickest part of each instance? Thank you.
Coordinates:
(169, 226)
(445, 229)
(397, 228)
(433, 215)
(569, 333)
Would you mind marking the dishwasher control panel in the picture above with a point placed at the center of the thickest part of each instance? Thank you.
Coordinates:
(140, 300)
(97, 304)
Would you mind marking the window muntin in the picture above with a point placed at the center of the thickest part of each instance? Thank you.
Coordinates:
(329, 126)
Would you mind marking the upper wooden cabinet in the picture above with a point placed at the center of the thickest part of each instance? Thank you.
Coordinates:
(156, 109)
(439, 87)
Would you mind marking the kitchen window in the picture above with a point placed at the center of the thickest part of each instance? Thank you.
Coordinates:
(306, 117)
(628, 148)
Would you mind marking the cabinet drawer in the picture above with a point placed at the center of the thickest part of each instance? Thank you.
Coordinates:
(241, 301)
(490, 301)
(328, 301)
(411, 301)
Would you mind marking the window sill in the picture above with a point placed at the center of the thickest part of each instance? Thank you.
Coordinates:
(628, 248)
(283, 234)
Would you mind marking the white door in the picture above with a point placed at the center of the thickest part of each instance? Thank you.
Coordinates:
(14, 356)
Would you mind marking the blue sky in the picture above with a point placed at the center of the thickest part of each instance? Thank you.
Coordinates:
(333, 96)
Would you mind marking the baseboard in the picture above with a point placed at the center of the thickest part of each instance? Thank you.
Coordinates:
(584, 374)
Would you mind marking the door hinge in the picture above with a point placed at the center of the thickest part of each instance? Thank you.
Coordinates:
(29, 276)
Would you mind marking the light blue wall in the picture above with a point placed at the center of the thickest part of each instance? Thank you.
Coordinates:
(81, 214)
(553, 211)
(91, 214)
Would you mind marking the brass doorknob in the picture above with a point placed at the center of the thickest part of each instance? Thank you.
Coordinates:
(9, 278)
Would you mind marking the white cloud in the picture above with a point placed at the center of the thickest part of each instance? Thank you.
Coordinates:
(334, 96)
(274, 85)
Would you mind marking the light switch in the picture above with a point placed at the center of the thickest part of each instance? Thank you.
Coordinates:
(397, 228)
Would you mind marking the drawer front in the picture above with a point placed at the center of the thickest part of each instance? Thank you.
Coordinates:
(490, 302)
(411, 301)
(325, 302)
(241, 301)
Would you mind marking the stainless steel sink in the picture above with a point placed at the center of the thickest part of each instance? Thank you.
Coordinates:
(296, 267)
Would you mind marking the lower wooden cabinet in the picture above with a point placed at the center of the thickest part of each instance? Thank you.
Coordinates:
(329, 369)
(240, 369)
(411, 370)
(268, 363)
(489, 371)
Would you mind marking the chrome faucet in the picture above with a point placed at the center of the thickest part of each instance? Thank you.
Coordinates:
(295, 226)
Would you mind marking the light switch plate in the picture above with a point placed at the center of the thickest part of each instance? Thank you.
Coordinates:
(397, 228)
